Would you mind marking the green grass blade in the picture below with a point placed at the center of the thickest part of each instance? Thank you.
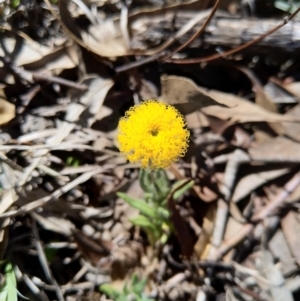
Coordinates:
(141, 205)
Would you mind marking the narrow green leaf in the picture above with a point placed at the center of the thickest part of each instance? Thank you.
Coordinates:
(141, 205)
(164, 238)
(11, 283)
(163, 212)
(153, 232)
(162, 180)
(143, 221)
(3, 294)
(109, 291)
(179, 192)
(154, 182)
(146, 181)
(138, 285)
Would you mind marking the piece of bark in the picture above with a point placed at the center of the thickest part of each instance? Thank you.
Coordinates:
(152, 31)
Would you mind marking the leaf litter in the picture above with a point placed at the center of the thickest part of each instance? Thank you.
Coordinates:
(74, 224)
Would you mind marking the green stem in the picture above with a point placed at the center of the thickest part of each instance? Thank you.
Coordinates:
(154, 182)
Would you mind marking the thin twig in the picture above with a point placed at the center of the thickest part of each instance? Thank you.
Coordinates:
(197, 33)
(139, 63)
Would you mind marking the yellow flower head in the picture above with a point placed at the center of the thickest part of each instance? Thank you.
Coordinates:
(152, 134)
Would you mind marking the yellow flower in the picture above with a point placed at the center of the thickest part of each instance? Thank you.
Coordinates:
(152, 134)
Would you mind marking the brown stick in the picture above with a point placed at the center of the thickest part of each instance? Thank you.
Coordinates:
(278, 200)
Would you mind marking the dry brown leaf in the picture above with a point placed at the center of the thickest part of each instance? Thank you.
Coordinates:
(291, 129)
(184, 94)
(280, 250)
(27, 51)
(236, 213)
(56, 224)
(7, 111)
(188, 97)
(279, 149)
(250, 182)
(196, 120)
(202, 246)
(262, 136)
(8, 197)
(106, 38)
(241, 110)
(264, 101)
(293, 88)
(59, 59)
